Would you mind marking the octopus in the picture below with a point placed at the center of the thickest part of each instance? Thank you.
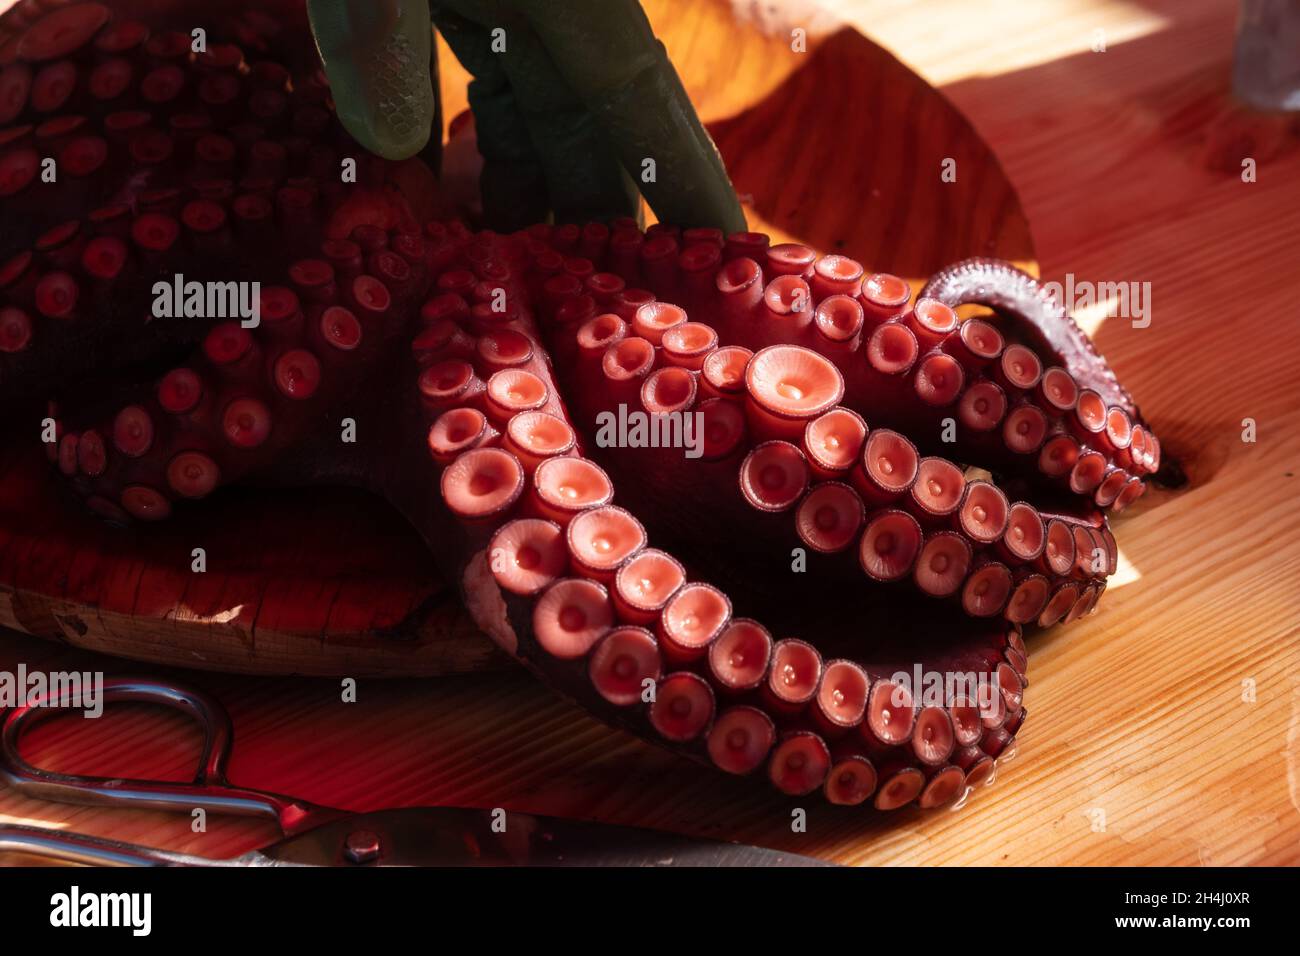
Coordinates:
(875, 486)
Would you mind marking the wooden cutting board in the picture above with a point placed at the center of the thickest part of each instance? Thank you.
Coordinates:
(1165, 729)
(837, 144)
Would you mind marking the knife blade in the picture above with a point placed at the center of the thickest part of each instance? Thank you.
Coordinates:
(453, 836)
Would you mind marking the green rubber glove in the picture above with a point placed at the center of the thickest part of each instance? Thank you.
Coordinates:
(377, 54)
(576, 105)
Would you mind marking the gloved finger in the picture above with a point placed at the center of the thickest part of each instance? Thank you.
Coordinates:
(377, 57)
(584, 177)
(609, 56)
(512, 183)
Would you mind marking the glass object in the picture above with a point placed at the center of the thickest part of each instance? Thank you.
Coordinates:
(1266, 68)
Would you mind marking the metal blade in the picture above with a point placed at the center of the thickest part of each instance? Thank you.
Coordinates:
(451, 836)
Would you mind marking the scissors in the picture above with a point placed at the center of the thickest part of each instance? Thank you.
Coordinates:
(315, 835)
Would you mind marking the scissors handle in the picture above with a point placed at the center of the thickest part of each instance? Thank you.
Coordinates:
(209, 790)
(75, 848)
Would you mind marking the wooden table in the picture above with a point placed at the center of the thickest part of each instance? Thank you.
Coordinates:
(1163, 730)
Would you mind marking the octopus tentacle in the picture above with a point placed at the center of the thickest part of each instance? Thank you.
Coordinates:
(585, 598)
(923, 369)
(248, 401)
(1000, 285)
(1079, 385)
(793, 435)
(206, 165)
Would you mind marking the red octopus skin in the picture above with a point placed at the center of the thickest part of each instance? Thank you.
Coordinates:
(653, 587)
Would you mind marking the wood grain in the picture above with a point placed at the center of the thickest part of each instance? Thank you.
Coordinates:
(1137, 711)
(316, 581)
(288, 591)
